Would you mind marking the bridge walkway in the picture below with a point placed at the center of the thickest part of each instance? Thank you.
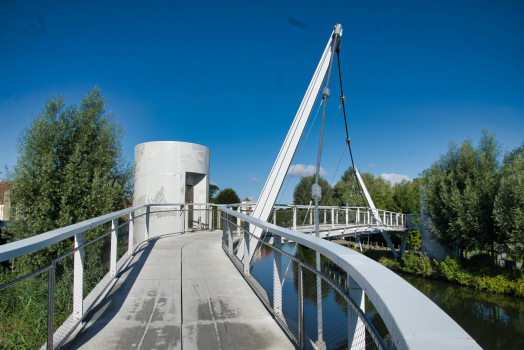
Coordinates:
(179, 292)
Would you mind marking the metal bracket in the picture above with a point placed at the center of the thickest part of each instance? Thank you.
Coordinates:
(316, 192)
(325, 93)
(343, 100)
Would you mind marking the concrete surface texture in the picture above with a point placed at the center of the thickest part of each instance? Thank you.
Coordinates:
(180, 292)
(169, 172)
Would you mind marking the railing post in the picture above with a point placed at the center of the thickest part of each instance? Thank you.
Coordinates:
(78, 278)
(274, 216)
(148, 211)
(391, 219)
(385, 222)
(230, 237)
(131, 236)
(311, 217)
(396, 219)
(358, 216)
(112, 261)
(325, 216)
(246, 252)
(211, 226)
(301, 342)
(347, 216)
(356, 329)
(277, 275)
(294, 218)
(224, 233)
(238, 222)
(51, 306)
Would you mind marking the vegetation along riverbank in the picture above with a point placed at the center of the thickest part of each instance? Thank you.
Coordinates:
(477, 272)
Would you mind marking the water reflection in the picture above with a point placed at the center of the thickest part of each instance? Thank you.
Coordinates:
(495, 321)
(334, 306)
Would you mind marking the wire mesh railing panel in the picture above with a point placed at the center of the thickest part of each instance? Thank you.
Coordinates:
(63, 297)
(122, 241)
(313, 309)
(96, 265)
(23, 312)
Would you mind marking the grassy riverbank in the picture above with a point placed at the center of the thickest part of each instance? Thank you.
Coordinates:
(477, 272)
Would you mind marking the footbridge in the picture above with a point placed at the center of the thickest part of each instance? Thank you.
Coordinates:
(339, 222)
(223, 276)
(188, 290)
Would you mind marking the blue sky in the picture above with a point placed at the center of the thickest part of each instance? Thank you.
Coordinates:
(230, 75)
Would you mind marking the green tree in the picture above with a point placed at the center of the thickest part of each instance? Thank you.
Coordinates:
(509, 203)
(459, 194)
(348, 191)
(227, 196)
(212, 191)
(302, 192)
(70, 168)
(406, 196)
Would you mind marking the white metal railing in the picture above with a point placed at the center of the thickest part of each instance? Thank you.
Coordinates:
(81, 305)
(412, 319)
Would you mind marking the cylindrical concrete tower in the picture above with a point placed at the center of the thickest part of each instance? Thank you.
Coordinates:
(170, 172)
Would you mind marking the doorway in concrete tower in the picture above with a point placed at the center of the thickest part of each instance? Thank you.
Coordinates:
(189, 199)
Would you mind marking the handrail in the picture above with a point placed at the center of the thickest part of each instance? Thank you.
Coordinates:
(43, 240)
(412, 319)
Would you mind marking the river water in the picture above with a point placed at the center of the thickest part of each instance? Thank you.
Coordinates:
(495, 321)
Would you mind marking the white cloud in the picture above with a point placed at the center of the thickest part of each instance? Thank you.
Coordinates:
(213, 183)
(395, 178)
(371, 165)
(254, 179)
(251, 198)
(300, 170)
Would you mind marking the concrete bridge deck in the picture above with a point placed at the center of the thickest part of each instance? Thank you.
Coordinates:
(180, 292)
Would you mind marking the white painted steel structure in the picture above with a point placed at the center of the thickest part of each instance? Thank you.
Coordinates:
(412, 319)
(279, 171)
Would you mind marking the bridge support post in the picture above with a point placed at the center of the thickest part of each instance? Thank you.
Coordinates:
(300, 292)
(224, 232)
(238, 222)
(403, 244)
(390, 244)
(131, 237)
(112, 261)
(78, 278)
(277, 275)
(230, 237)
(356, 328)
(332, 217)
(294, 218)
(246, 253)
(320, 326)
(347, 216)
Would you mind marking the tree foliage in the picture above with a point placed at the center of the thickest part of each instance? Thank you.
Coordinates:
(509, 203)
(302, 192)
(70, 168)
(212, 191)
(227, 196)
(460, 191)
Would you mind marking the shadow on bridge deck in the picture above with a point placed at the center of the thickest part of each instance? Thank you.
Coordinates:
(180, 291)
